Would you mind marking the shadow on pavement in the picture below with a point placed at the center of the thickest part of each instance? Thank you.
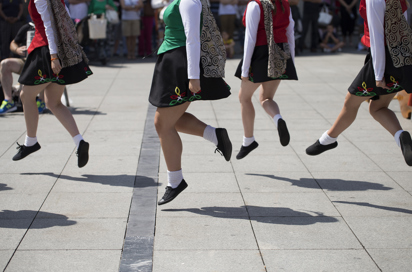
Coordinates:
(330, 184)
(112, 180)
(22, 219)
(366, 204)
(271, 215)
(3, 187)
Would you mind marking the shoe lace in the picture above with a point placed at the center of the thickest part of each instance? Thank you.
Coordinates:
(19, 147)
(218, 151)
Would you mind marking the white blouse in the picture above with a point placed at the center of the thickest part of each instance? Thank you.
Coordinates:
(190, 11)
(41, 6)
(252, 24)
(375, 12)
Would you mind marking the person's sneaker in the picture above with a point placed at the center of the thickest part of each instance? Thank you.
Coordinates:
(82, 153)
(40, 105)
(224, 146)
(283, 132)
(406, 146)
(245, 150)
(24, 151)
(318, 148)
(7, 106)
(171, 193)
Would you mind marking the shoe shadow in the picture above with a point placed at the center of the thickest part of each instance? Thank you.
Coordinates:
(3, 187)
(23, 220)
(132, 181)
(269, 215)
(329, 184)
(386, 208)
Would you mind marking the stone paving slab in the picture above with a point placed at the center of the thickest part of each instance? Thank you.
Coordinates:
(392, 260)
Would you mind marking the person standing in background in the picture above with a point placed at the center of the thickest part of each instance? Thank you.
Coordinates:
(131, 24)
(227, 15)
(311, 9)
(11, 12)
(78, 9)
(145, 38)
(348, 14)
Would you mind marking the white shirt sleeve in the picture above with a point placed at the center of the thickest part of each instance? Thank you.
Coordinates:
(290, 33)
(190, 11)
(375, 10)
(252, 23)
(41, 6)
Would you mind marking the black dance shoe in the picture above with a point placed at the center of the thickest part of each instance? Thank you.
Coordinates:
(82, 154)
(284, 136)
(406, 146)
(318, 148)
(224, 146)
(245, 150)
(171, 193)
(24, 151)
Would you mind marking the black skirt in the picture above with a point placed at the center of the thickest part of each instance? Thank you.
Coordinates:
(397, 79)
(170, 84)
(258, 71)
(37, 70)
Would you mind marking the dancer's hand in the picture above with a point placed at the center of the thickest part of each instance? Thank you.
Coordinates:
(194, 85)
(382, 84)
(55, 64)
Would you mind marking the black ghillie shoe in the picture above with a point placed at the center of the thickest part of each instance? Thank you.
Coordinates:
(318, 148)
(171, 193)
(283, 132)
(82, 154)
(406, 146)
(24, 151)
(245, 150)
(224, 146)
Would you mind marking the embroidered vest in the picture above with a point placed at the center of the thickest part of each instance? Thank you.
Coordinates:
(280, 23)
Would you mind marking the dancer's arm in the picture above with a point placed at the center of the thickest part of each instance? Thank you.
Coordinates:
(190, 11)
(375, 10)
(290, 33)
(252, 23)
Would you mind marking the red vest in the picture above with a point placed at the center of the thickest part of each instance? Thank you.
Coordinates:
(280, 23)
(40, 38)
(362, 10)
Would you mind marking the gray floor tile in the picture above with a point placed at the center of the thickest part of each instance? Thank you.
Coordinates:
(201, 163)
(26, 183)
(12, 231)
(5, 256)
(392, 260)
(273, 163)
(13, 205)
(402, 178)
(104, 165)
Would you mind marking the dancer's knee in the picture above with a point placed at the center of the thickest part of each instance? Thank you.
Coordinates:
(245, 99)
(161, 125)
(53, 105)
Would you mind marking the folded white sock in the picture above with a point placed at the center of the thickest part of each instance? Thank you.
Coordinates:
(397, 135)
(325, 139)
(248, 141)
(210, 134)
(174, 178)
(30, 141)
(276, 119)
(77, 140)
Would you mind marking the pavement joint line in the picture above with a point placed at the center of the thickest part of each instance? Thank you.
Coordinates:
(138, 247)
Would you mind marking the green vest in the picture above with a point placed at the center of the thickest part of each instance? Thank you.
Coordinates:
(174, 32)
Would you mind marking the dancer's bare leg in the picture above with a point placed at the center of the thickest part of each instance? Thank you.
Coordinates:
(165, 123)
(53, 94)
(387, 118)
(189, 124)
(31, 113)
(247, 88)
(267, 92)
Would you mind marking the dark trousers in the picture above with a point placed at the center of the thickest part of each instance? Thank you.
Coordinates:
(312, 20)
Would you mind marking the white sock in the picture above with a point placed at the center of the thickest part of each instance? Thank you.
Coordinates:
(174, 178)
(276, 119)
(30, 141)
(248, 141)
(397, 135)
(325, 139)
(77, 139)
(210, 134)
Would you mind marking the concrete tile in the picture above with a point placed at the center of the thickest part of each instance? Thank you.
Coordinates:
(389, 162)
(88, 205)
(309, 232)
(402, 178)
(201, 163)
(382, 232)
(289, 204)
(210, 260)
(20, 202)
(65, 260)
(268, 182)
(273, 163)
(104, 165)
(318, 260)
(392, 260)
(27, 183)
(57, 234)
(204, 233)
(5, 256)
(12, 231)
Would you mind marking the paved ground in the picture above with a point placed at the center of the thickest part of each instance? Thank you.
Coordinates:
(276, 210)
